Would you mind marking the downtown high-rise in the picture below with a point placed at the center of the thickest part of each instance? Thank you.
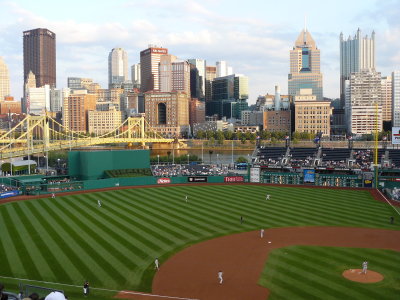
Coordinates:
(117, 67)
(356, 53)
(305, 67)
(40, 56)
(149, 68)
(4, 80)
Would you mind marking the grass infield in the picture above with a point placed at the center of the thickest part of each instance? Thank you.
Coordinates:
(309, 272)
(71, 239)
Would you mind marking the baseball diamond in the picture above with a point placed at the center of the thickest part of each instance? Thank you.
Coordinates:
(71, 239)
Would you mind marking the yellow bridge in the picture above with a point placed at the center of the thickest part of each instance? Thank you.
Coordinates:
(40, 134)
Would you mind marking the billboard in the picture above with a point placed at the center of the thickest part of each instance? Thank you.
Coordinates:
(9, 194)
(254, 174)
(396, 135)
(233, 179)
(163, 180)
(309, 176)
(197, 179)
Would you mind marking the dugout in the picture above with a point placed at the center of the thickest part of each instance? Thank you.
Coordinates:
(91, 165)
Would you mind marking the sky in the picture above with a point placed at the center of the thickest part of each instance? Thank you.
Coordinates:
(253, 36)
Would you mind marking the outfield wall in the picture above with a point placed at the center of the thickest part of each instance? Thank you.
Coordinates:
(90, 165)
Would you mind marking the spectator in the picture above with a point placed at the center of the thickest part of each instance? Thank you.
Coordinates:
(2, 296)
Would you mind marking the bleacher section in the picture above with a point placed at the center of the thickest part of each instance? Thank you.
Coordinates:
(339, 154)
(330, 158)
(394, 155)
(271, 154)
(303, 153)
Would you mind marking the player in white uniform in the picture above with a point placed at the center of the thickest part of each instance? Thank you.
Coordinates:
(186, 198)
(220, 274)
(267, 197)
(99, 203)
(364, 267)
(53, 196)
(262, 233)
(156, 264)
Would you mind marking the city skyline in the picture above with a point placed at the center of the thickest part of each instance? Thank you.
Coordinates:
(253, 42)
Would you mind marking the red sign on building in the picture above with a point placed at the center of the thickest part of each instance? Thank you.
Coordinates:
(234, 179)
(163, 180)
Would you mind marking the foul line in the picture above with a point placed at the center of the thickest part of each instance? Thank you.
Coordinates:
(388, 202)
(100, 289)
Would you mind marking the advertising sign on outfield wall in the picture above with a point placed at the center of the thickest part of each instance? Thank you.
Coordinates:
(234, 179)
(254, 174)
(396, 135)
(163, 180)
(197, 179)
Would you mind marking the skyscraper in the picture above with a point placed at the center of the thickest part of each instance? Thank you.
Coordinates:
(396, 99)
(135, 73)
(117, 67)
(386, 98)
(363, 91)
(305, 70)
(198, 78)
(356, 53)
(149, 68)
(4, 80)
(40, 56)
(211, 74)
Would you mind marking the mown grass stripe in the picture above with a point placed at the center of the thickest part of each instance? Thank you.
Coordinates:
(119, 240)
(58, 255)
(116, 258)
(93, 246)
(147, 234)
(38, 249)
(13, 265)
(97, 273)
(20, 244)
(165, 209)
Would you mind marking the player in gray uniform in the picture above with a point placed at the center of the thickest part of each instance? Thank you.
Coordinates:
(220, 274)
(364, 267)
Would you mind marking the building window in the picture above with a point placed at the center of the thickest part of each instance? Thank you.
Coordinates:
(162, 114)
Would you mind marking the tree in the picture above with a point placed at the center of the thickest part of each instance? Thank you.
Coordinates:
(200, 134)
(241, 159)
(228, 134)
(220, 137)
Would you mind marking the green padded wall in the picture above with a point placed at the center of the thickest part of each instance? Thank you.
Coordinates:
(89, 165)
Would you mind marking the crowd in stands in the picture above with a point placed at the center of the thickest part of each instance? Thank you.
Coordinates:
(396, 194)
(195, 170)
(7, 188)
(188, 170)
(54, 295)
(363, 159)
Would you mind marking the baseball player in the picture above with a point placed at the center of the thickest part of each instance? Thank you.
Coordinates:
(267, 197)
(241, 220)
(364, 267)
(186, 198)
(262, 233)
(99, 203)
(53, 196)
(220, 274)
(156, 264)
(392, 220)
(86, 288)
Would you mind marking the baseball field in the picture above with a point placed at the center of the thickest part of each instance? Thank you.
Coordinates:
(64, 241)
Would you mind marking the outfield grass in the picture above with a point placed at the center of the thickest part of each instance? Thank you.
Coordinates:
(309, 272)
(70, 239)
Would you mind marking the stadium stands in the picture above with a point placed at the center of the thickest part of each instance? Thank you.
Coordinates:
(188, 170)
(271, 155)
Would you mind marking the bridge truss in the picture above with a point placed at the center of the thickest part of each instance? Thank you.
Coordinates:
(41, 134)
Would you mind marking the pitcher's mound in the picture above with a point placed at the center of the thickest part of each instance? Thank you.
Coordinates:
(355, 275)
